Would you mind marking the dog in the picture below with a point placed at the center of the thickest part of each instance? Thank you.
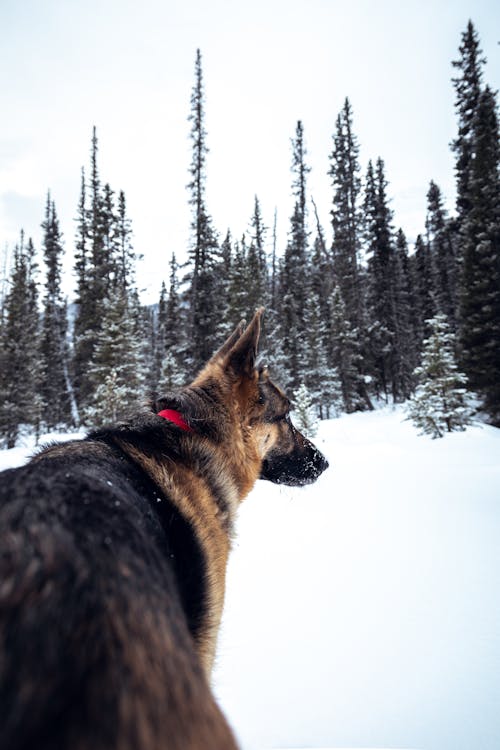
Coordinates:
(113, 553)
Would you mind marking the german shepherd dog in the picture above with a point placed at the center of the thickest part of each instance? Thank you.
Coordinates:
(113, 553)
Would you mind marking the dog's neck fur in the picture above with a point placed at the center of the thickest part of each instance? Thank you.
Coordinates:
(220, 474)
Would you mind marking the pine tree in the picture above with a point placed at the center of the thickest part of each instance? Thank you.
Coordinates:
(20, 402)
(55, 389)
(480, 288)
(345, 355)
(273, 314)
(442, 255)
(347, 235)
(257, 263)
(125, 259)
(468, 84)
(321, 379)
(294, 280)
(304, 415)
(173, 372)
(93, 267)
(274, 273)
(105, 270)
(4, 280)
(381, 312)
(204, 250)
(346, 214)
(160, 333)
(83, 341)
(440, 403)
(407, 342)
(321, 275)
(424, 279)
(225, 326)
(141, 347)
(238, 285)
(116, 366)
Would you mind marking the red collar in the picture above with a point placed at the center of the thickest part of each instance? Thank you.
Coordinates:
(176, 418)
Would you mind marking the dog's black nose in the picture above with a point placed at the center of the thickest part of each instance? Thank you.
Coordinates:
(320, 463)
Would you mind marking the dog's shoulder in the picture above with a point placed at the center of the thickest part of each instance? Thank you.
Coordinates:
(89, 496)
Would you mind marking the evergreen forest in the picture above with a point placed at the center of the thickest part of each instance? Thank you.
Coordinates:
(348, 303)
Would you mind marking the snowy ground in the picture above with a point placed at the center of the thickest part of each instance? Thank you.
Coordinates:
(26, 447)
(364, 611)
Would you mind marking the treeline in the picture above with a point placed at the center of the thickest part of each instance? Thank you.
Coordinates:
(347, 307)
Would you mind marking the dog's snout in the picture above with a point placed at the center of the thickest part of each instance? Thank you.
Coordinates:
(320, 462)
(323, 463)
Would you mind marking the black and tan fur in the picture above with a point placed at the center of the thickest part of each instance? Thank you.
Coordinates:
(113, 552)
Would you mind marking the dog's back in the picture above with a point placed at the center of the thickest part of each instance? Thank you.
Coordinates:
(96, 647)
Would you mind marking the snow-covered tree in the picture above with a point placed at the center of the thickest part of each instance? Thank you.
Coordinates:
(304, 413)
(116, 369)
(171, 376)
(480, 287)
(20, 401)
(204, 255)
(441, 403)
(439, 239)
(55, 388)
(468, 86)
(294, 280)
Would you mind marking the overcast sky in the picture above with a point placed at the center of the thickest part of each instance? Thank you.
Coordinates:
(128, 68)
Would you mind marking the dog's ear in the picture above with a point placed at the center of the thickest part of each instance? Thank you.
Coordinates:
(240, 358)
(231, 341)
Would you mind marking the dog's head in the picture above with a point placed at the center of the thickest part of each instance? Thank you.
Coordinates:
(235, 403)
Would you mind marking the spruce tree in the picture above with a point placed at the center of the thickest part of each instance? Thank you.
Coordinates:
(116, 365)
(204, 253)
(238, 284)
(321, 274)
(441, 251)
(480, 288)
(20, 401)
(105, 270)
(320, 378)
(381, 311)
(173, 372)
(55, 388)
(346, 214)
(159, 335)
(440, 403)
(257, 263)
(225, 326)
(345, 355)
(468, 85)
(407, 342)
(304, 415)
(294, 279)
(125, 257)
(424, 280)
(272, 322)
(347, 235)
(4, 279)
(83, 340)
(93, 269)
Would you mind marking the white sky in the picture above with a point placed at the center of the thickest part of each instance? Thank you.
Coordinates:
(128, 68)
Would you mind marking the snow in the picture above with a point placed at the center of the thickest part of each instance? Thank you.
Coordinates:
(26, 448)
(364, 610)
